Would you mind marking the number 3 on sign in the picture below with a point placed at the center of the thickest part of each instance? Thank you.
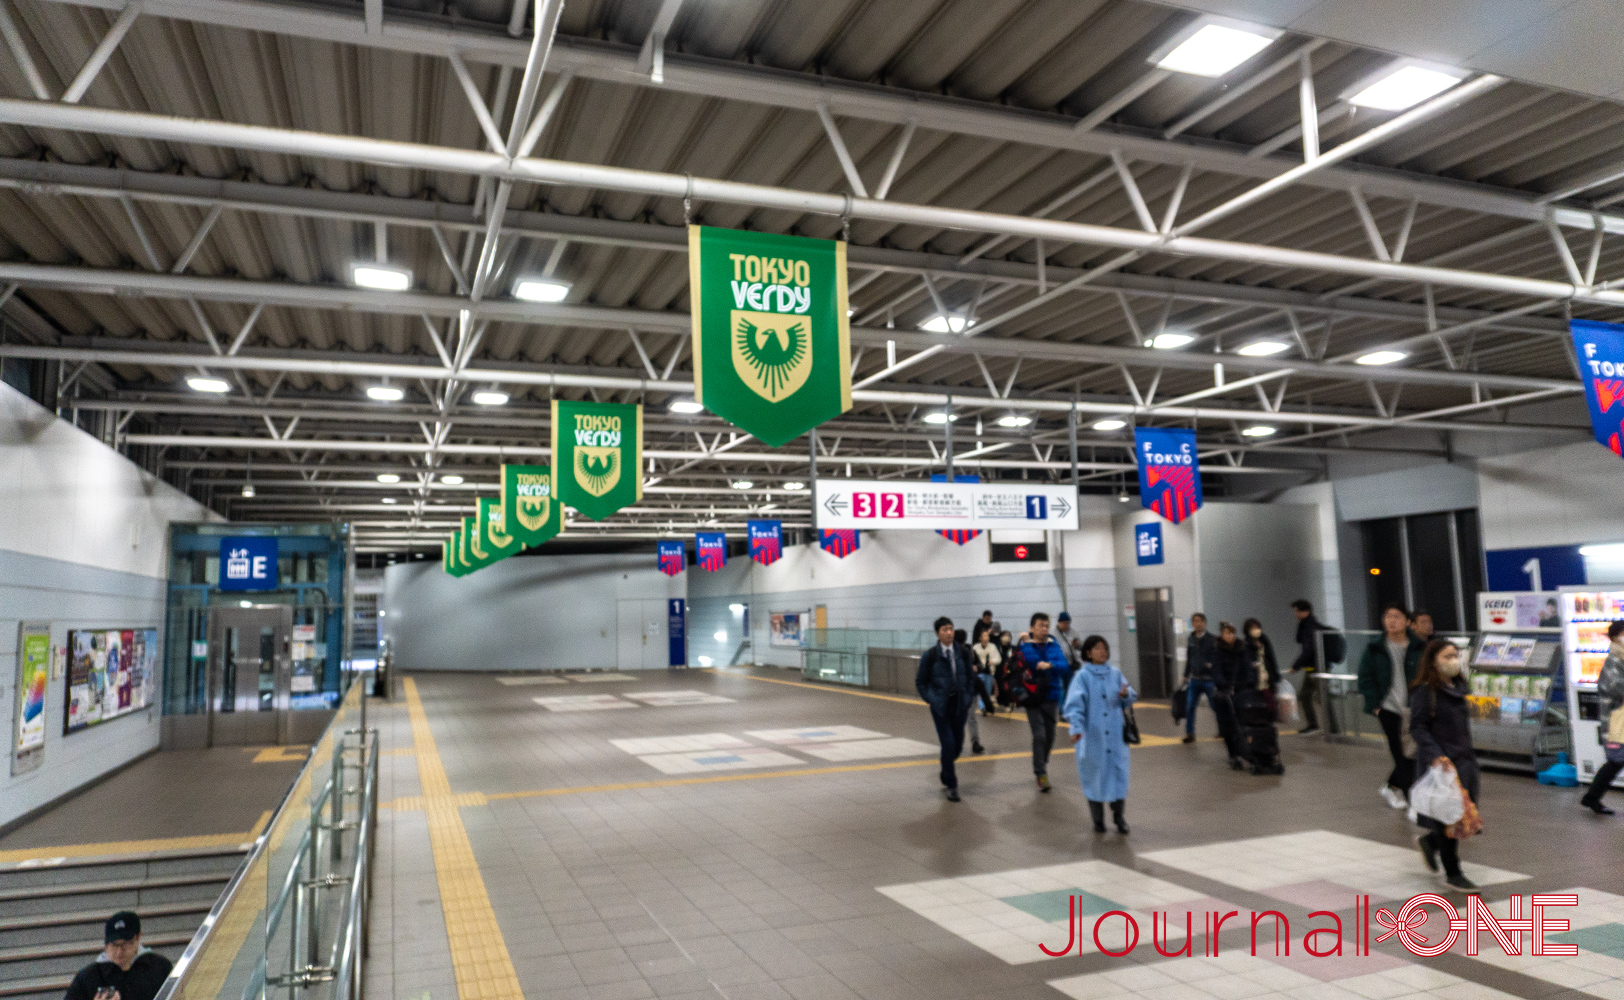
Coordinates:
(862, 505)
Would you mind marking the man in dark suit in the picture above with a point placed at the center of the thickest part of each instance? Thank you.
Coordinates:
(946, 680)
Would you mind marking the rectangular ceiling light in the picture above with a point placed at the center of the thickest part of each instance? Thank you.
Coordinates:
(381, 276)
(946, 324)
(1215, 48)
(1404, 87)
(540, 290)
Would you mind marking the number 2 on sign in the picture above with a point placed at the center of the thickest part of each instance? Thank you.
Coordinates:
(890, 504)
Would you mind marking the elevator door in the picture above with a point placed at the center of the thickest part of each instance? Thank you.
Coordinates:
(249, 675)
(1153, 607)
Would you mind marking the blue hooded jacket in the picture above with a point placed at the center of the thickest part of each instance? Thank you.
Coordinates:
(1051, 652)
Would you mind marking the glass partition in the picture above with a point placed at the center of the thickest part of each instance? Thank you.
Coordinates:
(840, 655)
(291, 922)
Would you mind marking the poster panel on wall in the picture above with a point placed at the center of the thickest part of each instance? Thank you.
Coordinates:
(882, 504)
(787, 628)
(33, 674)
(111, 672)
(710, 550)
(533, 517)
(598, 452)
(1514, 611)
(766, 540)
(1600, 348)
(673, 557)
(1169, 471)
(772, 341)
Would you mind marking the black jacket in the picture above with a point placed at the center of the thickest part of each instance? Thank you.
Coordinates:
(1441, 727)
(937, 680)
(1308, 655)
(1376, 669)
(1228, 664)
(1198, 651)
(1247, 679)
(147, 973)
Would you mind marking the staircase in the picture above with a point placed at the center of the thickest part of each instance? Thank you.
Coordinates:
(52, 915)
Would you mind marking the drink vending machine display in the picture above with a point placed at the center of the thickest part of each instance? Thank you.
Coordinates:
(1586, 613)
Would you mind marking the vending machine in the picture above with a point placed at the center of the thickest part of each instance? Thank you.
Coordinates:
(1517, 701)
(1586, 613)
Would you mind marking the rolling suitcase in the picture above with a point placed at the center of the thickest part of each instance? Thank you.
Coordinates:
(1263, 749)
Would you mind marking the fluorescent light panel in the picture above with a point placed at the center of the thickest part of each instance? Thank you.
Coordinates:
(1404, 87)
(685, 406)
(1263, 348)
(1110, 424)
(451, 480)
(1381, 358)
(541, 290)
(205, 383)
(490, 397)
(946, 324)
(1260, 431)
(1171, 341)
(793, 485)
(1215, 49)
(386, 393)
(940, 417)
(388, 477)
(1014, 420)
(381, 276)
(742, 484)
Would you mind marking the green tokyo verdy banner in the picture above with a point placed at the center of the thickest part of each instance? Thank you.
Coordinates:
(493, 534)
(772, 342)
(533, 515)
(598, 452)
(478, 555)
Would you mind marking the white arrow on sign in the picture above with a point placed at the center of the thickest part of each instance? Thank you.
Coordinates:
(835, 505)
(1062, 507)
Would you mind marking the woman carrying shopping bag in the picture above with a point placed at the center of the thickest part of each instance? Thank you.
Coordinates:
(1440, 726)
(1094, 706)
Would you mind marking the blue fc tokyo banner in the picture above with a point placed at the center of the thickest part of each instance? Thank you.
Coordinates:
(766, 541)
(840, 543)
(673, 558)
(959, 536)
(1169, 473)
(710, 550)
(1601, 360)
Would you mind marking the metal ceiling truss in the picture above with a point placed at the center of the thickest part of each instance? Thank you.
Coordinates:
(494, 229)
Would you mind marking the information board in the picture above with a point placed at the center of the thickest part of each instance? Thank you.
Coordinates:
(882, 504)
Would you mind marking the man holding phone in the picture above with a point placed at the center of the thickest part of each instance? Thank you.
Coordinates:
(124, 970)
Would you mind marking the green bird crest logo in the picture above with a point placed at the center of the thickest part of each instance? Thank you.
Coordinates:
(772, 352)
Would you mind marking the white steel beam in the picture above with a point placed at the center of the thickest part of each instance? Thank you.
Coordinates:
(727, 80)
(415, 155)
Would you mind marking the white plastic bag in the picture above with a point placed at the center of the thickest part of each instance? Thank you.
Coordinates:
(1285, 705)
(1436, 795)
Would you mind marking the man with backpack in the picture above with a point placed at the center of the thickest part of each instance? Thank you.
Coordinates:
(1046, 670)
(1307, 662)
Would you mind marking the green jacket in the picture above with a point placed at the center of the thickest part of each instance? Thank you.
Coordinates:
(1376, 670)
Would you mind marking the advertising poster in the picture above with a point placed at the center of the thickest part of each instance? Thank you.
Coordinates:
(786, 627)
(1169, 471)
(1514, 611)
(772, 341)
(33, 674)
(111, 672)
(598, 452)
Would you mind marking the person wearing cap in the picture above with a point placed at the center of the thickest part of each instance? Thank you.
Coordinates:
(124, 970)
(1068, 639)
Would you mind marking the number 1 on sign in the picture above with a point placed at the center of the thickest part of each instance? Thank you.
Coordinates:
(1037, 508)
(1531, 567)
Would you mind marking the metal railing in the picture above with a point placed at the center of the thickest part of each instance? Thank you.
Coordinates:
(840, 655)
(292, 923)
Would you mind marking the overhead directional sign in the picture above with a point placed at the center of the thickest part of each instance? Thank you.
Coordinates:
(881, 504)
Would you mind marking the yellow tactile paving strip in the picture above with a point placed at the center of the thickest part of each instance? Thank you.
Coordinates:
(479, 955)
(111, 847)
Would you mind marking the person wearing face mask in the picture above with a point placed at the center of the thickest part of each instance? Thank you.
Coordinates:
(1093, 708)
(1254, 700)
(1441, 727)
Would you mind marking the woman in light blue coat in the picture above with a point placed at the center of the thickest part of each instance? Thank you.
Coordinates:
(1093, 709)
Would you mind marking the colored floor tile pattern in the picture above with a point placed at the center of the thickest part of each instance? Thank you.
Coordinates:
(1315, 865)
(701, 761)
(676, 699)
(1596, 925)
(1008, 914)
(1236, 976)
(813, 734)
(583, 703)
(895, 746)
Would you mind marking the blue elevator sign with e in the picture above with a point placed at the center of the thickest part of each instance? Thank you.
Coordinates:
(248, 563)
(1147, 543)
(677, 629)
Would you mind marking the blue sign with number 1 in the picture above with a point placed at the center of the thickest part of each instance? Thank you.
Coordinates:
(677, 629)
(1037, 508)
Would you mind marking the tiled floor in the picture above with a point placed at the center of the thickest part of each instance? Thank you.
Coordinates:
(812, 877)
